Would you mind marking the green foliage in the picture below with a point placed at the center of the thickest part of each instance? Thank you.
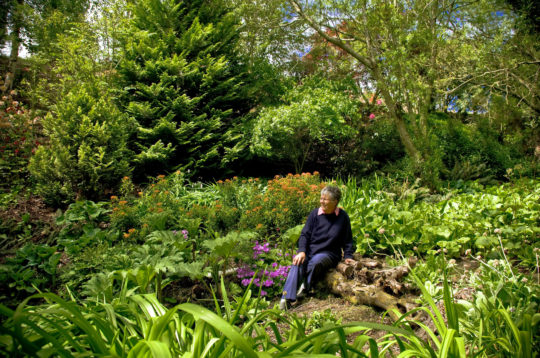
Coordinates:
(286, 202)
(33, 267)
(185, 86)
(80, 226)
(87, 152)
(315, 112)
(477, 218)
(138, 325)
(224, 251)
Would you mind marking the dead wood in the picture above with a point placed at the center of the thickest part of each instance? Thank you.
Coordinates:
(369, 282)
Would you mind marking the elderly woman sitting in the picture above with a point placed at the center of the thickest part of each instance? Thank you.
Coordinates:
(326, 236)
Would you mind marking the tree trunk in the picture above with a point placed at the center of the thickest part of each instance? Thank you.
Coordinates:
(15, 44)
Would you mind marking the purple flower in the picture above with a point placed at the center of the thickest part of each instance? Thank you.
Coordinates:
(263, 293)
(246, 281)
(268, 283)
(274, 264)
(185, 233)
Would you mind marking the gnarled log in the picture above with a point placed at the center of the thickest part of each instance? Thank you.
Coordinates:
(367, 284)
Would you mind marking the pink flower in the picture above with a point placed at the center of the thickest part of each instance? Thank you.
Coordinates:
(379, 102)
(372, 116)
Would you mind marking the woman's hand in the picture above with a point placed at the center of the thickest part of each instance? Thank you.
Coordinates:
(350, 261)
(299, 258)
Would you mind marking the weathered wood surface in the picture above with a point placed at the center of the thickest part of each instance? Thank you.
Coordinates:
(370, 282)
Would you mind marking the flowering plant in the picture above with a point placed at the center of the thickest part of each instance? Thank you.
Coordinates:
(19, 138)
(270, 268)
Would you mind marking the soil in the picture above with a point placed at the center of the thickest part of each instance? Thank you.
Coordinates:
(27, 220)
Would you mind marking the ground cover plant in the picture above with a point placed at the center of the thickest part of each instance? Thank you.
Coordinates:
(141, 244)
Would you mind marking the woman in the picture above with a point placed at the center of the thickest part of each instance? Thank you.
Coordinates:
(326, 236)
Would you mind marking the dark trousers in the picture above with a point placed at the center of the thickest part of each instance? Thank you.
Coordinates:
(308, 273)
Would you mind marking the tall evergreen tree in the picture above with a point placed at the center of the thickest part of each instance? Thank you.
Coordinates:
(185, 86)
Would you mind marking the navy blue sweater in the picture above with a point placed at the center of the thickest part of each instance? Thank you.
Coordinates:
(328, 233)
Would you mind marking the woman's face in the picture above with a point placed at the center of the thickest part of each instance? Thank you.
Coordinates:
(328, 204)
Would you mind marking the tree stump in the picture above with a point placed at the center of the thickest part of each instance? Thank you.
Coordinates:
(369, 282)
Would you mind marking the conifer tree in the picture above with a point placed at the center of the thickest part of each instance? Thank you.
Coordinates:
(185, 86)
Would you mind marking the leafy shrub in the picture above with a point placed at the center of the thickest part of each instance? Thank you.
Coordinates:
(314, 112)
(160, 206)
(286, 203)
(471, 151)
(87, 151)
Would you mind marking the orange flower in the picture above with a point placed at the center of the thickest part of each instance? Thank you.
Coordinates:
(126, 235)
(132, 230)
(161, 176)
(285, 210)
(114, 197)
(125, 178)
(220, 181)
(122, 202)
(159, 204)
(259, 226)
(235, 178)
(315, 173)
(178, 172)
(140, 193)
(256, 179)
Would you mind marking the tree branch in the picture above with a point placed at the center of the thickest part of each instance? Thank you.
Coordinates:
(333, 40)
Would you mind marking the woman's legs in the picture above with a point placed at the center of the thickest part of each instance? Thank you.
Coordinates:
(309, 272)
(318, 266)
